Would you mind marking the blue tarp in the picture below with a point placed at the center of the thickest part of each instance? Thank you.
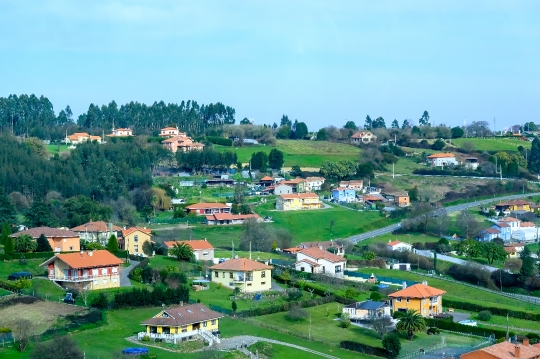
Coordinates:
(135, 351)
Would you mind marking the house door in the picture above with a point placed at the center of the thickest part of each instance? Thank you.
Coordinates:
(323, 269)
(66, 273)
(196, 326)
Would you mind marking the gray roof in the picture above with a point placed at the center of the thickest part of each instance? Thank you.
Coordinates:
(367, 305)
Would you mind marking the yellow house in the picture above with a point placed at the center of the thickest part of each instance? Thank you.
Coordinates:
(425, 300)
(514, 205)
(133, 240)
(248, 275)
(183, 323)
(297, 201)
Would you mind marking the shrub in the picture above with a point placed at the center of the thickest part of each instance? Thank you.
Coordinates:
(363, 348)
(484, 315)
(375, 296)
(433, 330)
(219, 141)
(100, 302)
(297, 313)
(345, 321)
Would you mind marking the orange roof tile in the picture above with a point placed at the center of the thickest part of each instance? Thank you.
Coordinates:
(509, 219)
(98, 226)
(442, 155)
(293, 250)
(318, 253)
(241, 265)
(207, 205)
(169, 128)
(267, 178)
(231, 217)
(506, 350)
(86, 260)
(195, 244)
(395, 243)
(527, 224)
(417, 291)
(361, 134)
(127, 232)
(313, 264)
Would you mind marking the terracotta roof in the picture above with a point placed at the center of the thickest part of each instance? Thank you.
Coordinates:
(510, 249)
(179, 316)
(342, 189)
(442, 155)
(502, 225)
(515, 244)
(491, 230)
(361, 134)
(313, 264)
(85, 260)
(169, 128)
(230, 216)
(515, 202)
(127, 232)
(368, 197)
(98, 226)
(312, 179)
(351, 183)
(241, 264)
(196, 244)
(317, 253)
(509, 219)
(293, 181)
(298, 195)
(207, 205)
(395, 243)
(123, 129)
(417, 291)
(324, 244)
(47, 231)
(527, 224)
(267, 178)
(507, 350)
(293, 250)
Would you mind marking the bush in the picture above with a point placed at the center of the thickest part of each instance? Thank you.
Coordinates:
(484, 315)
(363, 348)
(494, 310)
(144, 297)
(297, 313)
(219, 141)
(375, 296)
(100, 302)
(433, 330)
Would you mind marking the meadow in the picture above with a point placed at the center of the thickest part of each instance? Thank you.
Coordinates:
(56, 149)
(493, 143)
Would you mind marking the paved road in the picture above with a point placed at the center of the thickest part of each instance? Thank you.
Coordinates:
(124, 272)
(442, 257)
(389, 229)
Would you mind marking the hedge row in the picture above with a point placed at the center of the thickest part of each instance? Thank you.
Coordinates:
(142, 264)
(122, 254)
(31, 255)
(284, 307)
(363, 348)
(316, 290)
(220, 141)
(462, 328)
(494, 310)
(143, 297)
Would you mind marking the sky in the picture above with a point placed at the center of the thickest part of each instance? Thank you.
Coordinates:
(321, 62)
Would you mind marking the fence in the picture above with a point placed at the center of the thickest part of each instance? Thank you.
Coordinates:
(193, 220)
(380, 279)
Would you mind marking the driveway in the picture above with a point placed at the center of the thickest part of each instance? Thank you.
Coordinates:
(124, 272)
(458, 316)
(277, 287)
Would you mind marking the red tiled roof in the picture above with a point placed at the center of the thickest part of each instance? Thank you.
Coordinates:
(230, 216)
(361, 134)
(207, 205)
(503, 225)
(527, 224)
(515, 202)
(169, 128)
(179, 316)
(506, 350)
(491, 230)
(267, 178)
(313, 264)
(298, 195)
(368, 197)
(509, 249)
(442, 155)
(47, 231)
(241, 265)
(395, 243)
(293, 250)
(99, 258)
(417, 291)
(509, 219)
(127, 232)
(293, 181)
(98, 226)
(195, 244)
(318, 253)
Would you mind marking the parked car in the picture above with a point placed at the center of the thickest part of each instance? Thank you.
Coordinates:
(20, 275)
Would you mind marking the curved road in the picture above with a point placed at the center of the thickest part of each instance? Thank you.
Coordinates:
(389, 229)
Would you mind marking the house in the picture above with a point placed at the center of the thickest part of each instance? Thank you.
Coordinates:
(297, 201)
(316, 260)
(183, 323)
(514, 223)
(314, 183)
(61, 240)
(121, 132)
(343, 194)
(362, 137)
(504, 229)
(511, 251)
(282, 189)
(331, 246)
(488, 234)
(85, 270)
(168, 132)
(133, 240)
(202, 249)
(373, 198)
(220, 182)
(513, 205)
(367, 310)
(398, 246)
(266, 181)
(442, 159)
(224, 219)
(80, 137)
(246, 274)
(298, 184)
(527, 231)
(471, 163)
(208, 208)
(98, 231)
(518, 247)
(181, 142)
(400, 198)
(424, 299)
(357, 185)
(506, 350)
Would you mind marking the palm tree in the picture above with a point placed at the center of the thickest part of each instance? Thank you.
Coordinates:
(182, 252)
(411, 322)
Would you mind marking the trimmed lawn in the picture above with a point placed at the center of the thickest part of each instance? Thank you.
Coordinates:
(254, 255)
(219, 236)
(514, 322)
(4, 292)
(54, 149)
(493, 144)
(12, 266)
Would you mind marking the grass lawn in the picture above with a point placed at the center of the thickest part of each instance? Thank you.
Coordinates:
(514, 322)
(457, 291)
(54, 149)
(12, 266)
(493, 144)
(313, 225)
(4, 292)
(254, 255)
(301, 153)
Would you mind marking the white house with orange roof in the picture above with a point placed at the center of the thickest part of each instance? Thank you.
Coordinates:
(121, 132)
(169, 132)
(80, 137)
(133, 240)
(243, 273)
(442, 159)
(227, 219)
(298, 201)
(363, 137)
(181, 142)
(316, 260)
(314, 183)
(206, 208)
(85, 270)
(202, 249)
(398, 246)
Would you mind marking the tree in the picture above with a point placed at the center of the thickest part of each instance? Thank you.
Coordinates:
(100, 301)
(6, 231)
(284, 132)
(7, 211)
(23, 330)
(392, 345)
(25, 243)
(245, 121)
(405, 124)
(350, 125)
(345, 320)
(39, 214)
(84, 294)
(258, 234)
(410, 323)
(469, 247)
(147, 248)
(259, 161)
(494, 252)
(182, 251)
(380, 324)
(395, 124)
(533, 163)
(43, 244)
(60, 347)
(9, 246)
(322, 135)
(468, 224)
(285, 121)
(484, 315)
(467, 146)
(275, 159)
(457, 132)
(378, 123)
(234, 306)
(300, 130)
(297, 313)
(369, 255)
(112, 244)
(424, 120)
(438, 145)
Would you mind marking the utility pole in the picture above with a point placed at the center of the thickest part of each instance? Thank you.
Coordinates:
(393, 172)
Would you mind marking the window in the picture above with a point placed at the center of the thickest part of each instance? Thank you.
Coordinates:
(302, 269)
(249, 284)
(95, 271)
(263, 274)
(230, 275)
(71, 248)
(115, 270)
(213, 322)
(104, 271)
(204, 324)
(136, 248)
(184, 328)
(136, 238)
(263, 283)
(407, 300)
(223, 275)
(216, 274)
(205, 253)
(398, 300)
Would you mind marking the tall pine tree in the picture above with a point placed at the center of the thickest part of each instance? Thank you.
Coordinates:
(43, 244)
(534, 158)
(6, 231)
(112, 245)
(9, 247)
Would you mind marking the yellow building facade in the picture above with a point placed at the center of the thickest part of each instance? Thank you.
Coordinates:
(246, 274)
(425, 300)
(297, 201)
(133, 240)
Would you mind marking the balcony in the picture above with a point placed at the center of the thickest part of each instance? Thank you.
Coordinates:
(86, 278)
(242, 279)
(204, 334)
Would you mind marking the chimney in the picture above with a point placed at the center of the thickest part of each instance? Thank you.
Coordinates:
(525, 341)
(404, 285)
(82, 252)
(424, 282)
(517, 353)
(90, 253)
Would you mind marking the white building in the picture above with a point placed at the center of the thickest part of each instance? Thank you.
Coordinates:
(363, 137)
(442, 159)
(314, 183)
(316, 260)
(398, 246)
(367, 310)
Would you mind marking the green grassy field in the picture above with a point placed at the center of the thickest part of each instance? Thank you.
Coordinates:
(54, 149)
(493, 144)
(301, 153)
(12, 266)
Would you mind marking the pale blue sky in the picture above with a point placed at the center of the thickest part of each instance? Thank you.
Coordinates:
(321, 62)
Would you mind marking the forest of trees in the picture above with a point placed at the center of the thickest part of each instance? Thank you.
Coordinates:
(35, 117)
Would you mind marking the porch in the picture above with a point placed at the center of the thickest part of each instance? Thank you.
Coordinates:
(175, 338)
